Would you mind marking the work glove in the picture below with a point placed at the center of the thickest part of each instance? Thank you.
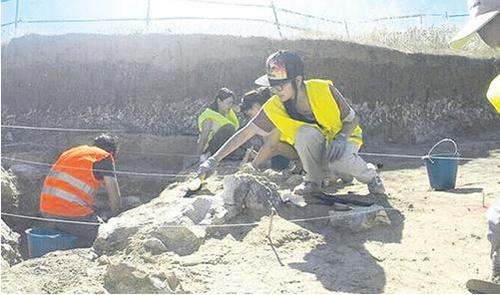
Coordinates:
(337, 147)
(208, 166)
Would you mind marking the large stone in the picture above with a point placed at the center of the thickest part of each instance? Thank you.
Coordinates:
(244, 193)
(129, 277)
(130, 202)
(359, 218)
(29, 183)
(26, 172)
(114, 235)
(10, 245)
(10, 193)
(181, 236)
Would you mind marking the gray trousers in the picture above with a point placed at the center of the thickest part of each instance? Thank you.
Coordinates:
(493, 217)
(311, 146)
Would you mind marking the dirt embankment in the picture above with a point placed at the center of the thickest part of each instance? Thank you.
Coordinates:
(159, 83)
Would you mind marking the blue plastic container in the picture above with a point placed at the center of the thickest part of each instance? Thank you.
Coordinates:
(44, 240)
(442, 168)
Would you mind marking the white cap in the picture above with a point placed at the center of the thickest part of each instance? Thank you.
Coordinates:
(481, 12)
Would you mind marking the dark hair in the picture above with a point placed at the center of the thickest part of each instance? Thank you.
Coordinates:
(106, 142)
(222, 94)
(259, 95)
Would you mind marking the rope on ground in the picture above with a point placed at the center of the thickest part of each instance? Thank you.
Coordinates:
(250, 224)
(99, 170)
(61, 129)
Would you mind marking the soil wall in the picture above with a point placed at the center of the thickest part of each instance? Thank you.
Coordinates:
(158, 84)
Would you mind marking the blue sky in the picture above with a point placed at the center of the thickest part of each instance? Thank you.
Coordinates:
(351, 11)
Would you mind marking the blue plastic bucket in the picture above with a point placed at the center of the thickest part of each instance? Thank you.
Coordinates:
(442, 168)
(44, 240)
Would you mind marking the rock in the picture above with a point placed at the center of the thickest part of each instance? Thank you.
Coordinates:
(130, 202)
(10, 193)
(294, 180)
(10, 245)
(113, 235)
(29, 184)
(360, 218)
(155, 246)
(248, 195)
(26, 172)
(127, 277)
(181, 236)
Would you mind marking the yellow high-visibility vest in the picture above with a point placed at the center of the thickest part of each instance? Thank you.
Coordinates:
(218, 121)
(493, 93)
(324, 108)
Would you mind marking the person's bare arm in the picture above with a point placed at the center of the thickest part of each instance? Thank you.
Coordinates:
(235, 141)
(268, 149)
(350, 119)
(111, 186)
(202, 142)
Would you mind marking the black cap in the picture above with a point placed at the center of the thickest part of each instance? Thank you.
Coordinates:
(280, 66)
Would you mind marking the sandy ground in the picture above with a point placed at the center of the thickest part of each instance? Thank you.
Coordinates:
(435, 243)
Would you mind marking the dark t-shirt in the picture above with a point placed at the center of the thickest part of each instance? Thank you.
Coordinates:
(104, 167)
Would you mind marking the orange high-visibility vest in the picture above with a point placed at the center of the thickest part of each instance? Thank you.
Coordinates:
(70, 187)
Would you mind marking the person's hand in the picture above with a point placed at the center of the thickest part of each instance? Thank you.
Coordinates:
(208, 166)
(337, 147)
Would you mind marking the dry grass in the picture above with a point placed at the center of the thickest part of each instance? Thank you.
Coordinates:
(432, 40)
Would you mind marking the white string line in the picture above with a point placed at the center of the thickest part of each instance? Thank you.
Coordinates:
(359, 153)
(190, 155)
(120, 152)
(419, 157)
(99, 170)
(51, 219)
(250, 224)
(60, 129)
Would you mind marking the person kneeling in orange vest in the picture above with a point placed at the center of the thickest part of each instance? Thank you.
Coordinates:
(70, 188)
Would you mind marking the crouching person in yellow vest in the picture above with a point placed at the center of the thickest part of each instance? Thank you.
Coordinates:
(70, 188)
(217, 123)
(312, 116)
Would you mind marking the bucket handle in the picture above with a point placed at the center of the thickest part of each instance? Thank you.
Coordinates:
(428, 156)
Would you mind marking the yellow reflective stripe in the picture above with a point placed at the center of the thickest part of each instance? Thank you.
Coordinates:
(73, 181)
(63, 195)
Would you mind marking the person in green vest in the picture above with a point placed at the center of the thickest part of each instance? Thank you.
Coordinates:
(485, 21)
(217, 123)
(313, 117)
